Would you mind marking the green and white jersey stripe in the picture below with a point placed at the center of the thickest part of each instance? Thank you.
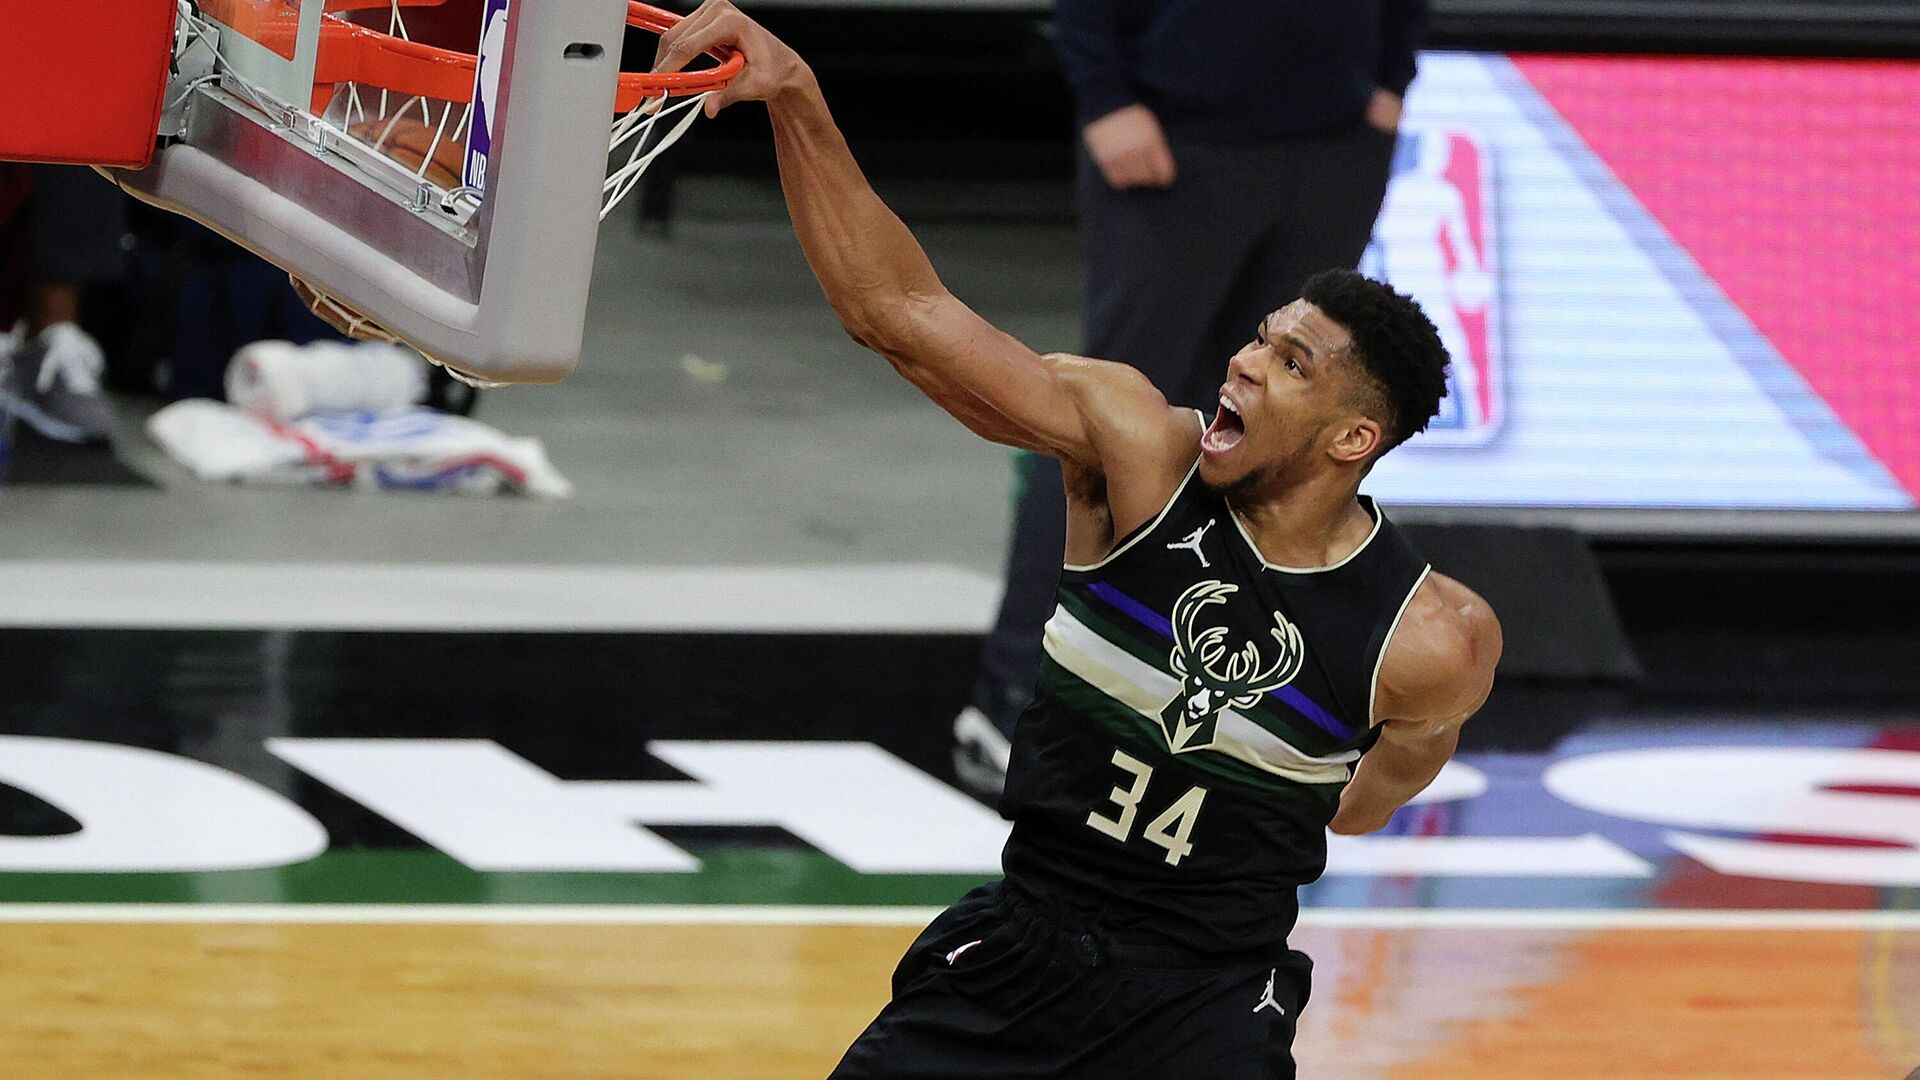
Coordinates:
(1118, 672)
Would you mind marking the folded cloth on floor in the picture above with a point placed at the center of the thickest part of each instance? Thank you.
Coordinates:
(413, 449)
(285, 381)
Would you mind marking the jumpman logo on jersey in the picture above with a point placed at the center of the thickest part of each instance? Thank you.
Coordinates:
(1266, 996)
(1192, 543)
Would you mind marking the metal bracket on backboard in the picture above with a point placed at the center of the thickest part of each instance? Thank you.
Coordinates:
(196, 63)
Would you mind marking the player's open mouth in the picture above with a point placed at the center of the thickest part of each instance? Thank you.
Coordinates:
(1226, 431)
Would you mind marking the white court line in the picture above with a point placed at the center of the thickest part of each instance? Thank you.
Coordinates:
(478, 914)
(878, 597)
(798, 915)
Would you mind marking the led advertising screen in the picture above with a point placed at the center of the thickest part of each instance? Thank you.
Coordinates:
(1665, 282)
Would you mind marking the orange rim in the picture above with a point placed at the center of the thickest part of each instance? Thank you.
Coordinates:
(350, 52)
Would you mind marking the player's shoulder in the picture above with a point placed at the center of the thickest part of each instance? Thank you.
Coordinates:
(1125, 408)
(1442, 655)
(1104, 380)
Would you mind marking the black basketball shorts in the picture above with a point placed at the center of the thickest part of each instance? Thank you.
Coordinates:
(999, 987)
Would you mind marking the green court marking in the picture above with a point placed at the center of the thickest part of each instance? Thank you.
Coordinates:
(733, 876)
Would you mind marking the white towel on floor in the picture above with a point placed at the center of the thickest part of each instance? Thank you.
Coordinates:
(284, 381)
(414, 449)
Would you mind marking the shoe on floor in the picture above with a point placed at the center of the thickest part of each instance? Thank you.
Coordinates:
(54, 385)
(980, 754)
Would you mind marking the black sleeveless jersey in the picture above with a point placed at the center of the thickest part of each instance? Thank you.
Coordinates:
(1197, 716)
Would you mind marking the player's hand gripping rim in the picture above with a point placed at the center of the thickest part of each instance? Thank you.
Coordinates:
(772, 69)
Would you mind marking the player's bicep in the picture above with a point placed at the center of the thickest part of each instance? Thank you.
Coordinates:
(996, 385)
(1439, 668)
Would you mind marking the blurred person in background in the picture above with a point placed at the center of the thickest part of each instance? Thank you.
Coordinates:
(62, 229)
(1228, 151)
(16, 183)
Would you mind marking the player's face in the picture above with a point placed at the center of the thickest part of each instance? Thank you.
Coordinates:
(1287, 393)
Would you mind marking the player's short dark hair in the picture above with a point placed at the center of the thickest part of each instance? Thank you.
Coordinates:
(1394, 344)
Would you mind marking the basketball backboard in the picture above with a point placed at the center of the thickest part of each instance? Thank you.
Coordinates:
(435, 166)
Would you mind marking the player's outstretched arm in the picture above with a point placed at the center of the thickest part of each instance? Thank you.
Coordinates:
(1437, 672)
(887, 294)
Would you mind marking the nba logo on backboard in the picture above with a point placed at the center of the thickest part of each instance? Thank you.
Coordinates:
(1436, 240)
(486, 92)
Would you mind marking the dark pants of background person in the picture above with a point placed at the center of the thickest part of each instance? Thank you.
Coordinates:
(59, 225)
(1176, 281)
(79, 227)
(195, 298)
(16, 229)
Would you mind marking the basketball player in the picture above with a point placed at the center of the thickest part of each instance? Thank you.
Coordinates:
(1245, 652)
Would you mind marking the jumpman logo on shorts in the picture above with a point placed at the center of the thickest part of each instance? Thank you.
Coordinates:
(1266, 996)
(1192, 543)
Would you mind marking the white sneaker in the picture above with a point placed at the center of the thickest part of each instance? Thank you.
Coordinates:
(54, 385)
(73, 357)
(980, 753)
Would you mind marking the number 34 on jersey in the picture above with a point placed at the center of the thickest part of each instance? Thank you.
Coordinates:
(1171, 830)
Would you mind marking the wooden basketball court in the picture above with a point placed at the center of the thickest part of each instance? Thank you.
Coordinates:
(761, 999)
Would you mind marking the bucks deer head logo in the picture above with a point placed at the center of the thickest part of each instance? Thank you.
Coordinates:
(1213, 676)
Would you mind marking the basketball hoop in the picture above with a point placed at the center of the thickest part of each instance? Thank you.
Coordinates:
(356, 61)
(403, 111)
(354, 53)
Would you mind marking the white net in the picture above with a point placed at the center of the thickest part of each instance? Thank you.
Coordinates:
(643, 127)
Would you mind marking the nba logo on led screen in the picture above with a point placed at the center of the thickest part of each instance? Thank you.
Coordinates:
(1437, 241)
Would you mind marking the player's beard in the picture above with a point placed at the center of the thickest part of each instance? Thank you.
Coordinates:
(1238, 490)
(1234, 491)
